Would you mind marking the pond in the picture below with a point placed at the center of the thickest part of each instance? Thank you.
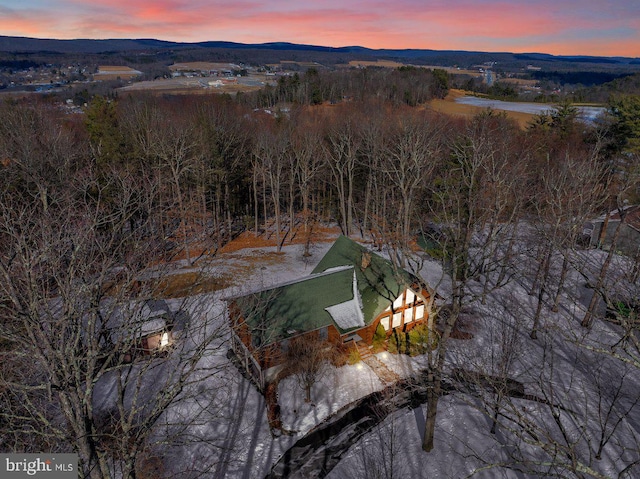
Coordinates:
(588, 114)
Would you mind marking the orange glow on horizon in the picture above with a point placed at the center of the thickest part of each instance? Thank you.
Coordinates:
(543, 26)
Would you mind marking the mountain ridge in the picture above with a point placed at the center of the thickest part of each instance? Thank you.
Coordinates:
(35, 45)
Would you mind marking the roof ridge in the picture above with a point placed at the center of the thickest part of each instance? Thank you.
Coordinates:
(328, 272)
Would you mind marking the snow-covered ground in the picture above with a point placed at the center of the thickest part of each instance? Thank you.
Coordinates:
(336, 388)
(226, 433)
(220, 429)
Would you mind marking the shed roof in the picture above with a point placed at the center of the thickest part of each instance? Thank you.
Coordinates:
(632, 218)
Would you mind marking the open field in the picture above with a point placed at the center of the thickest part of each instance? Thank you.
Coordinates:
(392, 64)
(519, 82)
(202, 66)
(456, 71)
(113, 72)
(377, 63)
(184, 85)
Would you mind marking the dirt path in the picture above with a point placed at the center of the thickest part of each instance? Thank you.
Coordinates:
(386, 375)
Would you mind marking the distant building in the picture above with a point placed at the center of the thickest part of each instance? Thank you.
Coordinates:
(600, 231)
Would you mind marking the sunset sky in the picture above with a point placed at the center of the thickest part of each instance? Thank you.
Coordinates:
(567, 27)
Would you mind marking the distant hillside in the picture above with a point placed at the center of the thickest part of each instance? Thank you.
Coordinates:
(627, 85)
(33, 45)
(283, 50)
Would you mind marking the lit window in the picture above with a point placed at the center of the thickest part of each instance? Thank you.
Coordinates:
(397, 304)
(408, 315)
(385, 323)
(165, 339)
(411, 296)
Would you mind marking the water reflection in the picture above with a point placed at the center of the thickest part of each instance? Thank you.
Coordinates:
(588, 114)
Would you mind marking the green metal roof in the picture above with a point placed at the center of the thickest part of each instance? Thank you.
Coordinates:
(379, 283)
(290, 309)
(293, 308)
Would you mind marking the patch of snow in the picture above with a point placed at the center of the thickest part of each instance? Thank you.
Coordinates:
(335, 389)
(348, 315)
(587, 114)
(334, 269)
(153, 325)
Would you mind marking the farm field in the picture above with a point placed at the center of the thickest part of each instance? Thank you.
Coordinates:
(521, 82)
(202, 66)
(377, 63)
(392, 64)
(113, 72)
(185, 85)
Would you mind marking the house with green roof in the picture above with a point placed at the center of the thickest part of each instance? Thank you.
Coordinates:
(346, 297)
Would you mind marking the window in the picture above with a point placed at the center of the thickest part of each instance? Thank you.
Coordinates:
(385, 323)
(397, 304)
(420, 312)
(411, 296)
(408, 315)
(397, 320)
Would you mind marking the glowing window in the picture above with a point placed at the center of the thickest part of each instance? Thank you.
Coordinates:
(408, 315)
(397, 320)
(397, 304)
(411, 296)
(420, 312)
(385, 323)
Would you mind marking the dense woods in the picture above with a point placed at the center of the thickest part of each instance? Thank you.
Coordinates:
(90, 202)
(210, 166)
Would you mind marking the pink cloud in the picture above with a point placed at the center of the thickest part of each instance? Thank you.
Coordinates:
(579, 26)
(23, 23)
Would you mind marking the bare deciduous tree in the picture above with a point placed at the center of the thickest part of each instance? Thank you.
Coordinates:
(344, 141)
(72, 302)
(271, 149)
(307, 359)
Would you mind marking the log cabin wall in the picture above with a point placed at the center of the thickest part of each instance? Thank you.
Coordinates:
(239, 326)
(271, 355)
